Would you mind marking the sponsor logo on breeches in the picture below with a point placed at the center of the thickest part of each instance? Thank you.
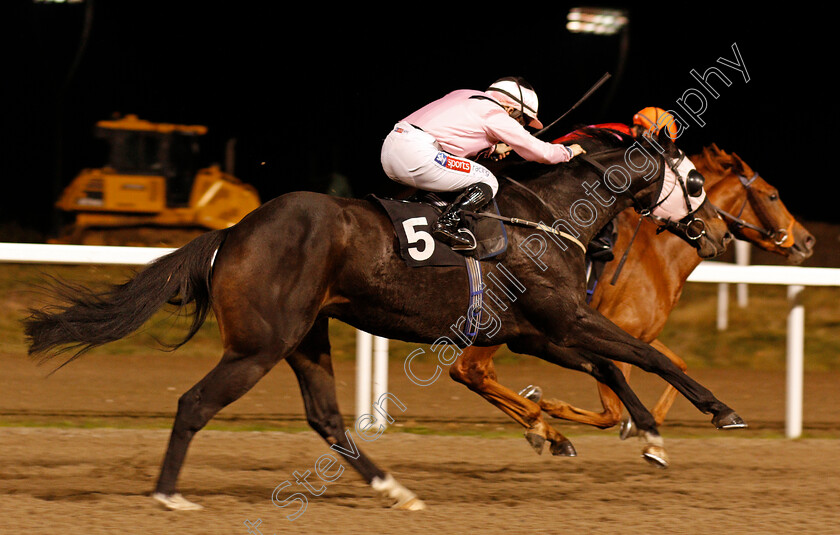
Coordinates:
(455, 164)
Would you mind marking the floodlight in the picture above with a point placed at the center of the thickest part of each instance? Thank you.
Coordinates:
(596, 20)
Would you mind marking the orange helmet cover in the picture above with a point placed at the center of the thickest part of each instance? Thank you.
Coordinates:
(655, 119)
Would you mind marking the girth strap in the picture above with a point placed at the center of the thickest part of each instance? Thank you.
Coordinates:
(476, 302)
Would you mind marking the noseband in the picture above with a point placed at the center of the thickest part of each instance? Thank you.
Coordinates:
(777, 236)
(693, 228)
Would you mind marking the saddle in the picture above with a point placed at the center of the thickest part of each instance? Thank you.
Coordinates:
(413, 218)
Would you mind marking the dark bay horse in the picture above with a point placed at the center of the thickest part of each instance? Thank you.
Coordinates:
(274, 280)
(649, 287)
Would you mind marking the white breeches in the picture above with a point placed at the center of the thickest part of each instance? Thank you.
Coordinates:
(412, 157)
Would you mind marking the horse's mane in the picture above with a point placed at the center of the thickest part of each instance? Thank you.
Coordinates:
(721, 161)
(600, 138)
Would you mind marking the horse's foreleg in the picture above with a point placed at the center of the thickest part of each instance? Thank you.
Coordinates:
(226, 383)
(666, 400)
(312, 364)
(596, 333)
(474, 368)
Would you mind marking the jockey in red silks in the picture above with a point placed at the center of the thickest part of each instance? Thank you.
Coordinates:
(431, 149)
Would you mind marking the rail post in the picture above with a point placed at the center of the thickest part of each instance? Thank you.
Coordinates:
(795, 361)
(371, 373)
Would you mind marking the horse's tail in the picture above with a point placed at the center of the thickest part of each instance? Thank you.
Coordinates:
(86, 319)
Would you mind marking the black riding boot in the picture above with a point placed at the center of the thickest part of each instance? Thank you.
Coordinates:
(598, 253)
(447, 228)
(600, 248)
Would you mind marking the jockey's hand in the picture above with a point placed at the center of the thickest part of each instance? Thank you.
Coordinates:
(500, 150)
(576, 150)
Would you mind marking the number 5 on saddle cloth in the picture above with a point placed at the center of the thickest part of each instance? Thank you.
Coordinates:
(413, 221)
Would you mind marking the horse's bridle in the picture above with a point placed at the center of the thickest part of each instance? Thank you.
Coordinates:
(691, 227)
(777, 236)
(684, 224)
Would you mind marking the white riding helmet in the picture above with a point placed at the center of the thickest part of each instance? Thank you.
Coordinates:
(515, 92)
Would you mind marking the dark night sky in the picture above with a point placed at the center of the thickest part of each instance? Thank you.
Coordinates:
(309, 91)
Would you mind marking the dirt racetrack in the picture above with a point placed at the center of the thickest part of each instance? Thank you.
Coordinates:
(81, 450)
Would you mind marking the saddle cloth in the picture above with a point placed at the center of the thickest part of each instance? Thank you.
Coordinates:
(413, 219)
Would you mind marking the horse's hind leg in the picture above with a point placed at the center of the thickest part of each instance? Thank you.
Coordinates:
(604, 371)
(474, 368)
(232, 377)
(312, 364)
(608, 417)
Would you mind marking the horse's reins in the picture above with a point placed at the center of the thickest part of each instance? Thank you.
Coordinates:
(597, 165)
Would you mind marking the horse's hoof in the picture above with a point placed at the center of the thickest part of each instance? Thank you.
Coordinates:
(536, 441)
(655, 455)
(176, 502)
(628, 429)
(563, 449)
(729, 420)
(415, 504)
(531, 392)
(401, 497)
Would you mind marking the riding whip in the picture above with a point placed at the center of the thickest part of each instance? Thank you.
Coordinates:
(592, 89)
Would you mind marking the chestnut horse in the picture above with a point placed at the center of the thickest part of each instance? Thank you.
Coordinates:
(647, 289)
(274, 279)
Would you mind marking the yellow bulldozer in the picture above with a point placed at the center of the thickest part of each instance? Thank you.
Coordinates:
(152, 190)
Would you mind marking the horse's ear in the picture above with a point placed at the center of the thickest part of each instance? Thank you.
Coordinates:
(738, 165)
(663, 139)
(716, 159)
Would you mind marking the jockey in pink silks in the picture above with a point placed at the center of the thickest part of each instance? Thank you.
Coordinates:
(431, 149)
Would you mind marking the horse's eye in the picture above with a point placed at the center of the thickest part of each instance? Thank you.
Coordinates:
(774, 196)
